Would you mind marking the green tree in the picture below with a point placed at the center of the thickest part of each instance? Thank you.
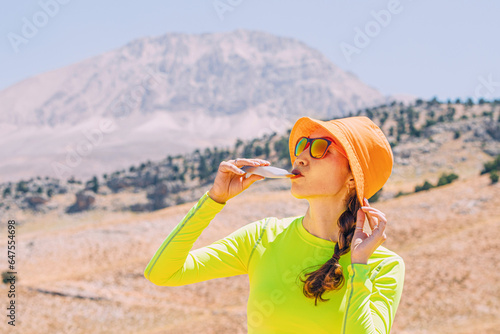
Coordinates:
(258, 151)
(450, 114)
(22, 187)
(267, 151)
(202, 168)
(401, 126)
(93, 185)
(239, 142)
(7, 192)
(281, 148)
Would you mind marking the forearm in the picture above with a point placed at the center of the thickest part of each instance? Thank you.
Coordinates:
(171, 255)
(372, 297)
(358, 318)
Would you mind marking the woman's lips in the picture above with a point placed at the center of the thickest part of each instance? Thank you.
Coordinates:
(297, 174)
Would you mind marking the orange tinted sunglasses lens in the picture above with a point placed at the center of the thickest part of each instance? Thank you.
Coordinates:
(319, 147)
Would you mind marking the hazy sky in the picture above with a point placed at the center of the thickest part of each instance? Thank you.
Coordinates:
(447, 49)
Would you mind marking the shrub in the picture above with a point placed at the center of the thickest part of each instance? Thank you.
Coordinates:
(491, 166)
(446, 178)
(6, 276)
(425, 186)
(429, 122)
(493, 177)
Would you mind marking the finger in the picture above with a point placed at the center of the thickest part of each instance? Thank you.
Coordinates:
(382, 225)
(227, 167)
(377, 216)
(371, 221)
(248, 181)
(360, 220)
(247, 162)
(372, 210)
(263, 162)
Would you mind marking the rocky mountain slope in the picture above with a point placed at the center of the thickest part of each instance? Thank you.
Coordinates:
(168, 95)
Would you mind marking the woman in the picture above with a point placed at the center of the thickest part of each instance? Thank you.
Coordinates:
(317, 273)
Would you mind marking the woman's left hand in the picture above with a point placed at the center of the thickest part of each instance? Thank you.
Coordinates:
(363, 245)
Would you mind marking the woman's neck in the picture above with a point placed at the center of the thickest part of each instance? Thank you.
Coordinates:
(322, 216)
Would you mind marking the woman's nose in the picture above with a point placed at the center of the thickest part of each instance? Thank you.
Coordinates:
(302, 158)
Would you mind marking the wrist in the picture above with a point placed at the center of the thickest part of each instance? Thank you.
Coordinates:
(215, 198)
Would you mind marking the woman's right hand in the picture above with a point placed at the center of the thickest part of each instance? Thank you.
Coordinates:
(230, 179)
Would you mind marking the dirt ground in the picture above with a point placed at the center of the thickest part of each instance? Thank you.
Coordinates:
(85, 274)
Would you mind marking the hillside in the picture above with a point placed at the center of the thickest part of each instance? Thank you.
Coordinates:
(428, 139)
(93, 262)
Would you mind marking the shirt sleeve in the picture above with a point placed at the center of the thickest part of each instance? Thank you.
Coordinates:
(372, 300)
(175, 264)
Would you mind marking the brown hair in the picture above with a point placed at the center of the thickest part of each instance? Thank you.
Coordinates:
(330, 275)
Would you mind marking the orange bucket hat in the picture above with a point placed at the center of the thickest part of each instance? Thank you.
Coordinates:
(367, 149)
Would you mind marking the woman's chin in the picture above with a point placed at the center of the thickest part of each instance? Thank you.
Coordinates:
(297, 193)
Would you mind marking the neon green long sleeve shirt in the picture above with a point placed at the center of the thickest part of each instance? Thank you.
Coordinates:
(273, 252)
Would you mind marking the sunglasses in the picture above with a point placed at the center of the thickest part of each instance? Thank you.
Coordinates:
(317, 147)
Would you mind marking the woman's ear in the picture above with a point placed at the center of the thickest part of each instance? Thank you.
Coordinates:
(350, 181)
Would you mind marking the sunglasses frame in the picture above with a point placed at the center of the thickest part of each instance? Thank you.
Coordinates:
(310, 142)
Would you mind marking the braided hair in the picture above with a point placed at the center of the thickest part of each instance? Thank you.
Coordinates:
(330, 275)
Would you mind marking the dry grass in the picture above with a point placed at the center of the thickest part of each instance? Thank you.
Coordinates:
(448, 237)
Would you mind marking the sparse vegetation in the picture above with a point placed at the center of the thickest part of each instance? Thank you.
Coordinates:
(491, 166)
(400, 123)
(493, 177)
